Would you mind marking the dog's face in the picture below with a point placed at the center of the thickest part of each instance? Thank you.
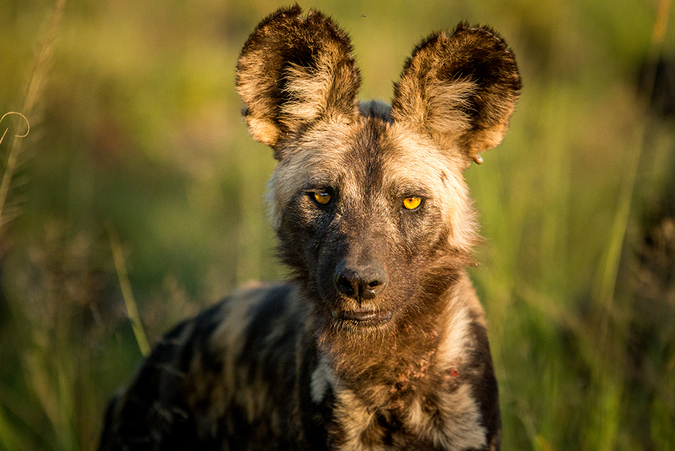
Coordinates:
(369, 200)
(366, 211)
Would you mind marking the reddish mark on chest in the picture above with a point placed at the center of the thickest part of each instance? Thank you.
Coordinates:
(450, 374)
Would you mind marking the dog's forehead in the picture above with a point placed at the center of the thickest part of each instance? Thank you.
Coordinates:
(387, 154)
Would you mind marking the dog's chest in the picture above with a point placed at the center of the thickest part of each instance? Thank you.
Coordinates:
(441, 417)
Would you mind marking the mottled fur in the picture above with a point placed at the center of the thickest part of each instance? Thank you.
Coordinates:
(379, 341)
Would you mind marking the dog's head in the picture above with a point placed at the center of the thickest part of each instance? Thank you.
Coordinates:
(368, 199)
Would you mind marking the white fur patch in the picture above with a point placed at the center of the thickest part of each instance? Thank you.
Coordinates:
(457, 340)
(323, 378)
(454, 426)
(354, 418)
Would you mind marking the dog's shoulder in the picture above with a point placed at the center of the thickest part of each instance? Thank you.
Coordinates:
(213, 374)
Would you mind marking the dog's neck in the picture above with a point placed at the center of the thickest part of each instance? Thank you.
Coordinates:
(392, 366)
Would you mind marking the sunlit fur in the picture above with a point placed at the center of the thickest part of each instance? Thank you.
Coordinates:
(378, 341)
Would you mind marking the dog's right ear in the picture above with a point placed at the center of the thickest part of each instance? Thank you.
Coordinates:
(294, 71)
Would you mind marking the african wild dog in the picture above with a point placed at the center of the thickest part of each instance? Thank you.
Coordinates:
(379, 341)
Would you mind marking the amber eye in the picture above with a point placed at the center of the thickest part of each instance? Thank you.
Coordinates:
(322, 197)
(412, 202)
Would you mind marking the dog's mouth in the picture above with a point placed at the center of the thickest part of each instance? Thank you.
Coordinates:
(363, 316)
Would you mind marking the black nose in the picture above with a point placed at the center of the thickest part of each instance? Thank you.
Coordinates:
(362, 281)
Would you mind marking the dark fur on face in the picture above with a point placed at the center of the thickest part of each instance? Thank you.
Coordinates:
(379, 341)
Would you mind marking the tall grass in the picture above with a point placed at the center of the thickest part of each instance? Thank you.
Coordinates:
(127, 292)
(146, 193)
(10, 166)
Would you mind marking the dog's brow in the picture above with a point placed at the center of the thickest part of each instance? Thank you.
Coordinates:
(321, 180)
(412, 187)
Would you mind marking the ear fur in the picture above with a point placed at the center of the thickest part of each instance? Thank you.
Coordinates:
(460, 89)
(294, 71)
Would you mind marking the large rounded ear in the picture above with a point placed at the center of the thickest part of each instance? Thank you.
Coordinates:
(460, 89)
(294, 71)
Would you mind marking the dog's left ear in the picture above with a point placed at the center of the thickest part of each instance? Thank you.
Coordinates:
(459, 89)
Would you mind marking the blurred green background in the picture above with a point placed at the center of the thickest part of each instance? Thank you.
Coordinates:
(137, 149)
